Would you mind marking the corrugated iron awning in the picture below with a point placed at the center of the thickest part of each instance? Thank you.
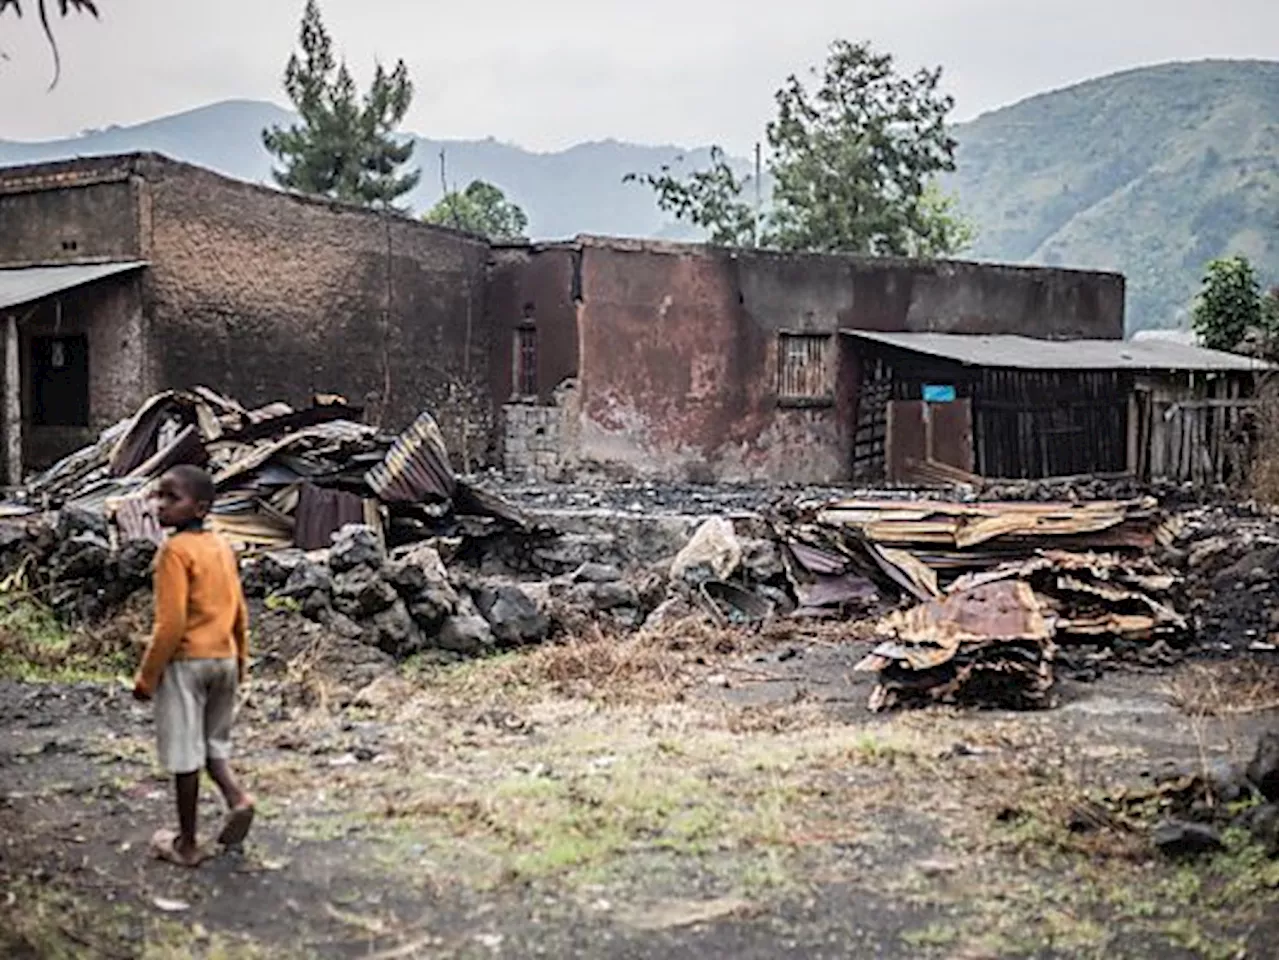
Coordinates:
(1029, 353)
(20, 285)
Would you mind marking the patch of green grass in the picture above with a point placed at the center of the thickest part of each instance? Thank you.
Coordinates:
(56, 923)
(36, 648)
(937, 934)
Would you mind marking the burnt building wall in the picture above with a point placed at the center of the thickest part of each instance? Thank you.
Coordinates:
(533, 288)
(680, 346)
(68, 213)
(268, 296)
(94, 382)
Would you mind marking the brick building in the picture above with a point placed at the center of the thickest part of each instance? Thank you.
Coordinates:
(121, 276)
(687, 361)
(124, 275)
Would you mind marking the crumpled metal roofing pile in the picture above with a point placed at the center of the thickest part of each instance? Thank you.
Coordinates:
(1003, 588)
(285, 477)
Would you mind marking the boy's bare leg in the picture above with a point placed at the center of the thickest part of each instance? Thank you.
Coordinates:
(187, 788)
(228, 786)
(240, 819)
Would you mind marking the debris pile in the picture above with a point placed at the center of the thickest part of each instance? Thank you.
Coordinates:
(1002, 588)
(989, 644)
(1230, 556)
(285, 477)
(333, 518)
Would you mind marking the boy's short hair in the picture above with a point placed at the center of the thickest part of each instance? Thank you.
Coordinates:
(196, 481)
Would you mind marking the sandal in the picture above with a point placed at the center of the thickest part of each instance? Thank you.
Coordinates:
(164, 846)
(237, 826)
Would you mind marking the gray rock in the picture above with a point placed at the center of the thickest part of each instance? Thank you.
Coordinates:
(74, 521)
(133, 561)
(395, 631)
(512, 616)
(762, 561)
(1262, 768)
(419, 575)
(12, 535)
(84, 556)
(604, 596)
(667, 612)
(569, 551)
(355, 545)
(1263, 826)
(592, 572)
(468, 635)
(432, 604)
(306, 578)
(344, 626)
(316, 606)
(359, 592)
(275, 568)
(1178, 838)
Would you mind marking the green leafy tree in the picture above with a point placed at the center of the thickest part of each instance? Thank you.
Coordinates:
(853, 166)
(42, 14)
(943, 230)
(482, 209)
(344, 145)
(1271, 314)
(851, 161)
(710, 199)
(1230, 304)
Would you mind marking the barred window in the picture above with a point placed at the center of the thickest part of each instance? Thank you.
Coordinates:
(526, 361)
(804, 366)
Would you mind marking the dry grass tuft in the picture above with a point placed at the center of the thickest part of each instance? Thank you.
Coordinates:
(648, 666)
(1223, 689)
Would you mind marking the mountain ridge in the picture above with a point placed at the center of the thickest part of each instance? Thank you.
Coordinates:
(1150, 171)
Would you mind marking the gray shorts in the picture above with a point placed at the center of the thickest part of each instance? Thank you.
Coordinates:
(195, 704)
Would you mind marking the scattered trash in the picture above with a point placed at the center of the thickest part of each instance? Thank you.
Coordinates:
(170, 906)
(714, 552)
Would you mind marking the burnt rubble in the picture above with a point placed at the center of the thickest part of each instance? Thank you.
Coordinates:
(372, 536)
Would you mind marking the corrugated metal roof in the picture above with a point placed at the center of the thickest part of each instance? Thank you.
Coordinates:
(24, 284)
(1028, 353)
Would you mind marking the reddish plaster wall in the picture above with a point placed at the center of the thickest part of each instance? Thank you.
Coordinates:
(678, 347)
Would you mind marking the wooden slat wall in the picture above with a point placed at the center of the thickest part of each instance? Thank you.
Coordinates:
(1030, 424)
(1196, 429)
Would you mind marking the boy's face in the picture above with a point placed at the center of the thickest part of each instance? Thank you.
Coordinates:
(174, 503)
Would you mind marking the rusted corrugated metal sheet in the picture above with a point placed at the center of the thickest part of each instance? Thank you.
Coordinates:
(416, 468)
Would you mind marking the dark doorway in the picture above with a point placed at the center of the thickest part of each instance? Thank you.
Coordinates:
(60, 381)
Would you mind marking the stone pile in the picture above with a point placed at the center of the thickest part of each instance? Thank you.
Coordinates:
(402, 602)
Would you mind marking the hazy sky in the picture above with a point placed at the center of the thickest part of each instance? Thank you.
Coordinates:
(548, 73)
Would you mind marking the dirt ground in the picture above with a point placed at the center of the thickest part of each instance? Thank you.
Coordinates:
(714, 796)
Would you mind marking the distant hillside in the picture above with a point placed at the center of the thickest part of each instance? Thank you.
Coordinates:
(579, 190)
(1150, 172)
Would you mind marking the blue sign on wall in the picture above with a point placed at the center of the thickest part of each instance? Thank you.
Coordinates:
(939, 393)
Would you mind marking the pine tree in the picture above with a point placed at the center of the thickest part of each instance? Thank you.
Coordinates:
(343, 146)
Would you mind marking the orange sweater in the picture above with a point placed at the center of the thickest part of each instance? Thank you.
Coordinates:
(200, 609)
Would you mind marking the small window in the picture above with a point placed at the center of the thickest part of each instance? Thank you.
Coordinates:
(60, 381)
(526, 361)
(804, 367)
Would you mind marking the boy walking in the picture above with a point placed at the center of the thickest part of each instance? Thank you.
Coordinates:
(195, 661)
